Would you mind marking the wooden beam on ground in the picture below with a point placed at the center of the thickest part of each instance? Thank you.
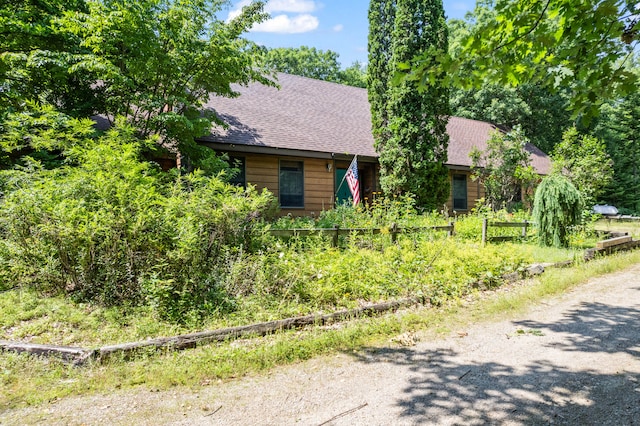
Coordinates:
(591, 254)
(600, 245)
(191, 340)
(66, 353)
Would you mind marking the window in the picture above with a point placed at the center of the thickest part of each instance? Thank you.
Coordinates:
(459, 192)
(240, 178)
(291, 184)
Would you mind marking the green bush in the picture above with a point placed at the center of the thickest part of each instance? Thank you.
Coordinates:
(558, 206)
(112, 229)
(330, 278)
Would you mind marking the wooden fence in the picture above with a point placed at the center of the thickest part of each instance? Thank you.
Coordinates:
(336, 231)
(394, 231)
(486, 225)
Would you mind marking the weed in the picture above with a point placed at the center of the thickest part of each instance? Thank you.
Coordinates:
(28, 381)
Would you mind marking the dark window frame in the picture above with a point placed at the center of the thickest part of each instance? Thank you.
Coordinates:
(239, 179)
(459, 177)
(293, 169)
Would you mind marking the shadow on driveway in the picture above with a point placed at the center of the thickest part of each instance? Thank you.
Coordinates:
(443, 390)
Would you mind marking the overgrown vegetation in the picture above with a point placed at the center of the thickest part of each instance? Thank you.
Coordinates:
(26, 382)
(98, 245)
(193, 250)
(110, 229)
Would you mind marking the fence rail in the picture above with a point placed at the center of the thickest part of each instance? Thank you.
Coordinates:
(394, 231)
(336, 231)
(486, 225)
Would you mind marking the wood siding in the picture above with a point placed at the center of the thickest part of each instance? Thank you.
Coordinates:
(263, 172)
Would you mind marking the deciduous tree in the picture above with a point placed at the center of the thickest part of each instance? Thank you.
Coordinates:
(585, 162)
(504, 168)
(154, 62)
(35, 57)
(580, 45)
(354, 75)
(305, 61)
(542, 113)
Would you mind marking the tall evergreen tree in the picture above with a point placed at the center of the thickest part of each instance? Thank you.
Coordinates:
(381, 20)
(409, 127)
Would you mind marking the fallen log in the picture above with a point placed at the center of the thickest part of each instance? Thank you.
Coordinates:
(191, 340)
(66, 353)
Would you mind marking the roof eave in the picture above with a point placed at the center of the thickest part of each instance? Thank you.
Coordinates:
(269, 150)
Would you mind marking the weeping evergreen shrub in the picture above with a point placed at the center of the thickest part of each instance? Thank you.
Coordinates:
(558, 205)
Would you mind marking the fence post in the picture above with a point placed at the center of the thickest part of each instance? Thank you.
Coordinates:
(394, 232)
(524, 229)
(336, 235)
(450, 233)
(484, 231)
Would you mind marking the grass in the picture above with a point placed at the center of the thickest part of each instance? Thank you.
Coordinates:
(542, 254)
(27, 315)
(632, 227)
(556, 281)
(298, 283)
(29, 381)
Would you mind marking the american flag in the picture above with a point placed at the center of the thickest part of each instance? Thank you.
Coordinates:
(353, 181)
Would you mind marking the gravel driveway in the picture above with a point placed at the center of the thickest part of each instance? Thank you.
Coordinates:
(571, 360)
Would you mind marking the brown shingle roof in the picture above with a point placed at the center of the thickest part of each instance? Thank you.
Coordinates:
(319, 116)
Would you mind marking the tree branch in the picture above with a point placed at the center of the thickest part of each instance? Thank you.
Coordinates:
(535, 25)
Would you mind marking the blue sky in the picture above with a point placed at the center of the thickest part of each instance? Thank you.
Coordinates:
(338, 25)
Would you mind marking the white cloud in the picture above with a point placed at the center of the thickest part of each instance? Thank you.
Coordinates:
(338, 28)
(234, 13)
(302, 22)
(294, 6)
(284, 24)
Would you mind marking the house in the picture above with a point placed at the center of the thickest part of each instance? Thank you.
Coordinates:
(298, 141)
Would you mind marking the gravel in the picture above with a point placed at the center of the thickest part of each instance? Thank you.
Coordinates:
(570, 360)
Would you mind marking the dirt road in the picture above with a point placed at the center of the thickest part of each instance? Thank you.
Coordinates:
(571, 360)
